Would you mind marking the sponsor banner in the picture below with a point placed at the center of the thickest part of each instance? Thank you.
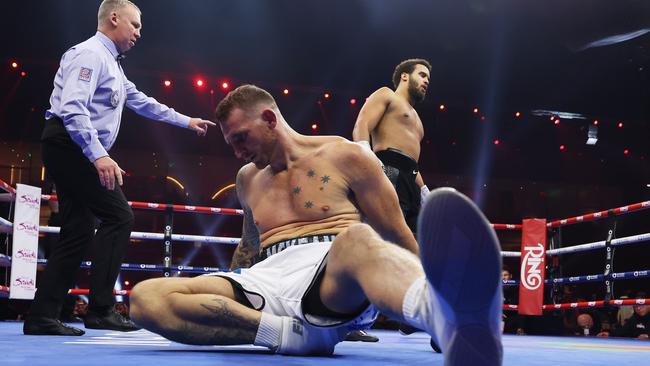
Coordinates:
(25, 242)
(533, 261)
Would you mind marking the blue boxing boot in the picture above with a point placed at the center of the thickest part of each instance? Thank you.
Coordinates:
(462, 261)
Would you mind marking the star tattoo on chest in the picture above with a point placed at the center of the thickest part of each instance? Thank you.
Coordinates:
(296, 190)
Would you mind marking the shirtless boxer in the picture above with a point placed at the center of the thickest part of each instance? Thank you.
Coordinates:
(389, 119)
(315, 275)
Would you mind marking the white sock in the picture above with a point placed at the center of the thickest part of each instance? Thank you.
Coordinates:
(269, 331)
(302, 339)
(416, 303)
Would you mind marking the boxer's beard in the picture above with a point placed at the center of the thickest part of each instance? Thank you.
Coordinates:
(415, 93)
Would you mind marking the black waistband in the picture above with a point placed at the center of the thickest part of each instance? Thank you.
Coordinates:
(276, 248)
(398, 159)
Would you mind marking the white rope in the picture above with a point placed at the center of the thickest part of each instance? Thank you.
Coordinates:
(511, 254)
(5, 226)
(152, 236)
(600, 244)
(589, 246)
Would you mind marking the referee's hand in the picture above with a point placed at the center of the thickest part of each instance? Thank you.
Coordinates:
(108, 170)
(200, 126)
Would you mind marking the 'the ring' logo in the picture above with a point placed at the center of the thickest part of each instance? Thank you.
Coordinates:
(531, 273)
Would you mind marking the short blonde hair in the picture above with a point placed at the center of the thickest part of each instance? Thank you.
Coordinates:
(244, 97)
(109, 6)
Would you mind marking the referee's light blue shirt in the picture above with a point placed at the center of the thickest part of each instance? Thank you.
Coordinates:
(90, 90)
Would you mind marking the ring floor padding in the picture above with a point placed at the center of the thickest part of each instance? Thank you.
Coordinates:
(100, 347)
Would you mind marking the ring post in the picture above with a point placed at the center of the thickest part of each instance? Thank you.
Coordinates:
(167, 239)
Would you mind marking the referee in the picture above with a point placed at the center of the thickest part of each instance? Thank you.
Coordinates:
(90, 91)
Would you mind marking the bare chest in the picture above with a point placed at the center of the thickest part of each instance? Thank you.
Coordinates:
(300, 194)
(402, 116)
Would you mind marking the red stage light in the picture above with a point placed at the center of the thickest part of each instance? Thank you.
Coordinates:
(496, 142)
(442, 107)
(595, 122)
(199, 83)
(314, 126)
(353, 101)
(327, 95)
(552, 118)
(23, 74)
(620, 125)
(475, 110)
(626, 151)
(557, 122)
(14, 65)
(517, 114)
(167, 83)
(285, 91)
(482, 118)
(225, 85)
(561, 147)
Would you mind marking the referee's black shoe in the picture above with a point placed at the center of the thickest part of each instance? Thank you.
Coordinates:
(110, 320)
(360, 336)
(35, 325)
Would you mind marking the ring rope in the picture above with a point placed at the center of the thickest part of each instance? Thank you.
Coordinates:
(142, 205)
(7, 187)
(589, 278)
(145, 235)
(586, 304)
(600, 215)
(5, 261)
(588, 246)
(506, 226)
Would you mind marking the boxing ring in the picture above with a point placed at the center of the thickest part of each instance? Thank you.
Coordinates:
(102, 347)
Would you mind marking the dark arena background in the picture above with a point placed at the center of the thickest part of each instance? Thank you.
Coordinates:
(516, 90)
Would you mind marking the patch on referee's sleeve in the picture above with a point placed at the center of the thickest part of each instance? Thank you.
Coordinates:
(85, 74)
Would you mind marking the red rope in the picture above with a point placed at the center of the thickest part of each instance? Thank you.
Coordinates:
(600, 215)
(85, 291)
(586, 304)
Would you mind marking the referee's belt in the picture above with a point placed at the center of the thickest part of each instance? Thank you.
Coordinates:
(282, 245)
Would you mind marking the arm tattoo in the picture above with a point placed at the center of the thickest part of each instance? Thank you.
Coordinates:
(249, 246)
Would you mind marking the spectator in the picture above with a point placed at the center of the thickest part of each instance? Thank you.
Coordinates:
(513, 322)
(624, 313)
(587, 326)
(637, 326)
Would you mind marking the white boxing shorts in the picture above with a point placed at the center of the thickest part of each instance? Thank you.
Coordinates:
(279, 283)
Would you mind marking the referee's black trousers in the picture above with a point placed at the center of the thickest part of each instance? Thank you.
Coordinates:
(82, 200)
